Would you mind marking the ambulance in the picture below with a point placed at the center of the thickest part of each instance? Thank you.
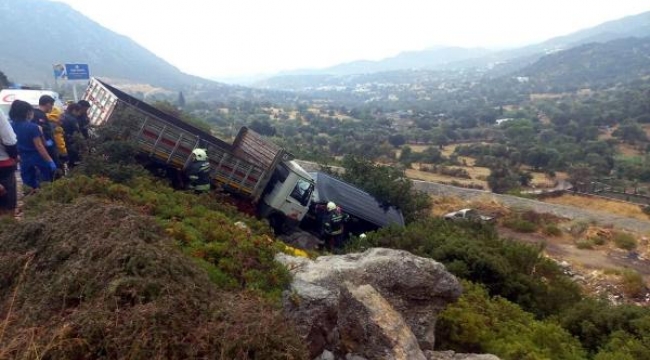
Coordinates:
(7, 96)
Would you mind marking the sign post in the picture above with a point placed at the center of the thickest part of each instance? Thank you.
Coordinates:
(71, 72)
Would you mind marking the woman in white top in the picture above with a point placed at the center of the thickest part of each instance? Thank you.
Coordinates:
(8, 161)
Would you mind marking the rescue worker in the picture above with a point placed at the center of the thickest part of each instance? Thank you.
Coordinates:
(198, 172)
(70, 125)
(58, 134)
(45, 107)
(36, 164)
(333, 226)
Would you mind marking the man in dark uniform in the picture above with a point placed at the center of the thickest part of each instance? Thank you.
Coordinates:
(198, 172)
(45, 105)
(333, 226)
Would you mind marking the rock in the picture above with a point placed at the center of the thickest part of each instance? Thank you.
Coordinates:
(301, 240)
(450, 355)
(326, 355)
(322, 289)
(354, 357)
(369, 326)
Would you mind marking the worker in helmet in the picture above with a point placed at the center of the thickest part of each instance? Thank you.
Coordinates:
(198, 172)
(333, 226)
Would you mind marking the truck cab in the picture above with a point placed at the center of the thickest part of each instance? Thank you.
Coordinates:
(288, 197)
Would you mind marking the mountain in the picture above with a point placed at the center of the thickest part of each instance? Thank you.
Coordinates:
(496, 63)
(592, 65)
(426, 59)
(40, 33)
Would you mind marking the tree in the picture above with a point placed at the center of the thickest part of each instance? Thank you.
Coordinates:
(181, 100)
(502, 179)
(4, 82)
(630, 132)
(388, 184)
(397, 140)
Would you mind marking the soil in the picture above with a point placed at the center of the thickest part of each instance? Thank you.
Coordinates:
(560, 249)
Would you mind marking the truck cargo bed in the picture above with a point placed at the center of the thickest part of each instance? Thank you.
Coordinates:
(170, 141)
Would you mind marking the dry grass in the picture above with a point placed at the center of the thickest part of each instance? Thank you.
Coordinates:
(118, 289)
(610, 206)
(486, 204)
(628, 150)
(428, 176)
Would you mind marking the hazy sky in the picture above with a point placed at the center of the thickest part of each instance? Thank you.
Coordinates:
(242, 37)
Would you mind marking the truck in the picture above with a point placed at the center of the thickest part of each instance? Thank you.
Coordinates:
(251, 168)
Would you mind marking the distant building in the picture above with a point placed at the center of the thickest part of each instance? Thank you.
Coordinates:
(501, 121)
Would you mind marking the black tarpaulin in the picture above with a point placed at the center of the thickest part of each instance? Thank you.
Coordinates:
(354, 201)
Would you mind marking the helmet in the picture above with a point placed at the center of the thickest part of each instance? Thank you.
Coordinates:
(200, 154)
(331, 206)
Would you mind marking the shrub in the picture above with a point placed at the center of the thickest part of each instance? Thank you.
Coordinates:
(520, 225)
(480, 323)
(624, 241)
(203, 227)
(473, 251)
(551, 230)
(632, 283)
(579, 228)
(585, 244)
(599, 240)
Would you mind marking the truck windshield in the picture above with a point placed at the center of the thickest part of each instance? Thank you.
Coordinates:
(302, 191)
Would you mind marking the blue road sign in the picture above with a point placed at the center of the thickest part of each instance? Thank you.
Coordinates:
(77, 71)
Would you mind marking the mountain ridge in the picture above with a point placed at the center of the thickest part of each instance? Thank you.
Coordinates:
(30, 54)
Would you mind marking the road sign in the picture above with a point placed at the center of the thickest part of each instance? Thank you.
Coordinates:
(77, 72)
(59, 71)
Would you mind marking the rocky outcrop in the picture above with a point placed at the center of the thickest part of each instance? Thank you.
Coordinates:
(379, 304)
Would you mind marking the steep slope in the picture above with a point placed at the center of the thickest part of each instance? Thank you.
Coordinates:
(39, 33)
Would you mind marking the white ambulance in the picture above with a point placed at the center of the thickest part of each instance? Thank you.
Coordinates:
(7, 96)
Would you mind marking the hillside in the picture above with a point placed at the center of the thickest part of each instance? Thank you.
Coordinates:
(458, 60)
(42, 33)
(592, 65)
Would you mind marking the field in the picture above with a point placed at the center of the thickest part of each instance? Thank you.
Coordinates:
(610, 206)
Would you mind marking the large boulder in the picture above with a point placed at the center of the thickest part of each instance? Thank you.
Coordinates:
(357, 303)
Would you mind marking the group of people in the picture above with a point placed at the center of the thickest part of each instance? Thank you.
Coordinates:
(43, 140)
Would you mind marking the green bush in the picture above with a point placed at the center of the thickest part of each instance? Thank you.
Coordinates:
(624, 241)
(203, 227)
(480, 323)
(551, 230)
(520, 225)
(473, 251)
(632, 283)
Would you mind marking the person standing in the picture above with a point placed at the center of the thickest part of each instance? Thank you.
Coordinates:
(70, 125)
(45, 107)
(333, 226)
(8, 160)
(82, 119)
(36, 164)
(198, 172)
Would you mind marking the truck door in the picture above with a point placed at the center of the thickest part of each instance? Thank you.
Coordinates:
(296, 203)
